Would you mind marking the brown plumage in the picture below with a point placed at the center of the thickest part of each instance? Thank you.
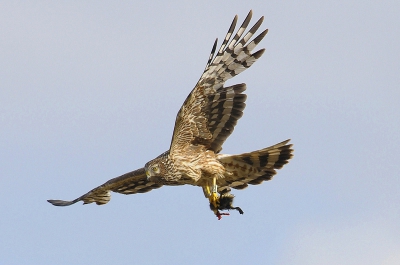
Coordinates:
(206, 119)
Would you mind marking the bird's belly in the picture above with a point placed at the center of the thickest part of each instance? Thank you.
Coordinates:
(202, 165)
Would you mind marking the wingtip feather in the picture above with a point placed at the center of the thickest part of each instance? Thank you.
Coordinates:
(61, 202)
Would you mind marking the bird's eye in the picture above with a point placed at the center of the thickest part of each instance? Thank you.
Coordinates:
(154, 168)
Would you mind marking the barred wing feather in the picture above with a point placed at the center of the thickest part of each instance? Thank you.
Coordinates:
(129, 183)
(210, 112)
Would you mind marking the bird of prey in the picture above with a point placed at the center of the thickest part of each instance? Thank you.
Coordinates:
(203, 123)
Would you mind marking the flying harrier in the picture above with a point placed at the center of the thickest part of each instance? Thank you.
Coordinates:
(205, 120)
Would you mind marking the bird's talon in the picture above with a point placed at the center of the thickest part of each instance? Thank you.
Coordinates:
(214, 200)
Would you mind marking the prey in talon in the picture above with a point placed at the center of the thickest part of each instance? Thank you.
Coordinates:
(225, 202)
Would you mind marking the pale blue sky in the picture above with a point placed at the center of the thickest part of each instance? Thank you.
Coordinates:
(89, 91)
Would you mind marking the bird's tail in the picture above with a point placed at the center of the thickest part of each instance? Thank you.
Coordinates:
(254, 167)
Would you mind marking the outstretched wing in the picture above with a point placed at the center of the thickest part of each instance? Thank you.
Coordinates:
(211, 111)
(129, 183)
(253, 168)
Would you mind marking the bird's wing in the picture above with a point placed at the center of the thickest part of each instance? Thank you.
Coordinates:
(129, 183)
(211, 111)
(253, 168)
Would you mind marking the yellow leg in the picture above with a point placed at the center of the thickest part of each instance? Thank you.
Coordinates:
(207, 191)
(214, 198)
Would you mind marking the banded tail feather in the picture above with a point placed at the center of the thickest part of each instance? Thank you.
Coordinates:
(255, 167)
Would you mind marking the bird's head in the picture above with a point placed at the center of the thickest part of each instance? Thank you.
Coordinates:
(155, 170)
